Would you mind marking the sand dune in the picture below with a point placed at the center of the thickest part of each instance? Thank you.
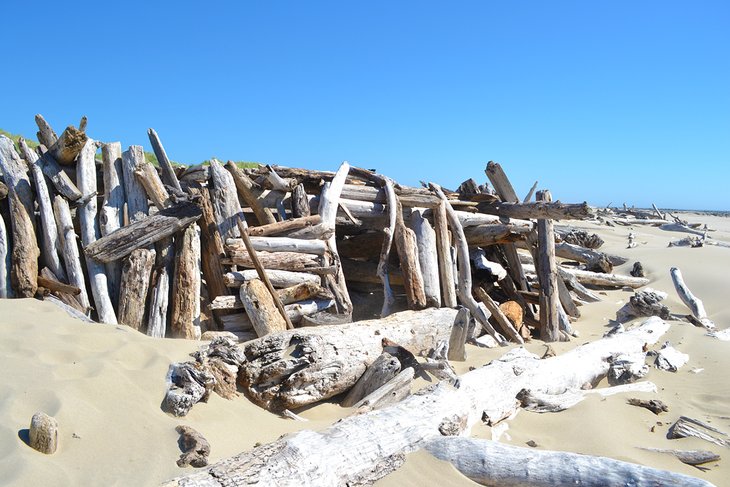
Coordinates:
(104, 384)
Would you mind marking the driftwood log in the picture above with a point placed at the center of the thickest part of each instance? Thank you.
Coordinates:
(693, 302)
(43, 433)
(111, 216)
(384, 436)
(133, 288)
(185, 308)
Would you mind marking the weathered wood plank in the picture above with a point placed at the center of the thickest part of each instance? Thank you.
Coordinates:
(69, 247)
(185, 314)
(135, 284)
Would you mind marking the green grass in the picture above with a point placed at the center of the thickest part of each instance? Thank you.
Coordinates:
(149, 156)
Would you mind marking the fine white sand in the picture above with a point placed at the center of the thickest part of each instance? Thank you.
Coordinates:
(104, 384)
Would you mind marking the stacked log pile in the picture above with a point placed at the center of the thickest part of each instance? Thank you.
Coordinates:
(178, 251)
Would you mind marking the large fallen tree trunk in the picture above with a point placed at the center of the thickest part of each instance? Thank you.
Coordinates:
(384, 436)
(299, 367)
(491, 463)
(539, 209)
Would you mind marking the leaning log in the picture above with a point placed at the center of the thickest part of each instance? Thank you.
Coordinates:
(212, 249)
(384, 436)
(250, 193)
(70, 249)
(47, 229)
(427, 257)
(168, 172)
(693, 302)
(492, 463)
(446, 264)
(152, 184)
(46, 135)
(279, 279)
(554, 210)
(298, 367)
(185, 308)
(86, 213)
(144, 232)
(598, 278)
(226, 207)
(136, 197)
(157, 319)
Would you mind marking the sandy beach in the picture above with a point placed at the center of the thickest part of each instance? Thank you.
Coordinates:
(104, 384)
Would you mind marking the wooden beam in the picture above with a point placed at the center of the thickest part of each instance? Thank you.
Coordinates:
(185, 308)
(548, 275)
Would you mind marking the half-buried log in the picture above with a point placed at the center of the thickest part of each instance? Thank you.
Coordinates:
(384, 436)
(298, 367)
(144, 232)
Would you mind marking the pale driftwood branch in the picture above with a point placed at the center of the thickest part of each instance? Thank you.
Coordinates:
(111, 216)
(427, 257)
(385, 435)
(69, 310)
(693, 303)
(280, 244)
(278, 278)
(168, 172)
(598, 278)
(48, 229)
(157, 319)
(465, 281)
(6, 289)
(492, 463)
(144, 232)
(528, 197)
(407, 247)
(226, 207)
(445, 263)
(385, 248)
(70, 248)
(284, 227)
(86, 213)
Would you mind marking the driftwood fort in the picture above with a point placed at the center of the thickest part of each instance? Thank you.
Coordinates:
(281, 269)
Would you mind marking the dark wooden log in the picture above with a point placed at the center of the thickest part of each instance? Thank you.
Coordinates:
(539, 209)
(212, 249)
(143, 233)
(261, 308)
(548, 275)
(185, 309)
(133, 289)
(299, 202)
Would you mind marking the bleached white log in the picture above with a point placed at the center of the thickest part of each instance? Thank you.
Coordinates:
(384, 436)
(598, 278)
(70, 310)
(444, 248)
(491, 463)
(277, 278)
(70, 249)
(481, 262)
(281, 244)
(669, 358)
(111, 215)
(135, 195)
(296, 311)
(693, 302)
(157, 320)
(48, 231)
(540, 402)
(678, 227)
(427, 257)
(86, 213)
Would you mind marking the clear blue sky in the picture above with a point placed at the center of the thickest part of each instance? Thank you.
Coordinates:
(620, 101)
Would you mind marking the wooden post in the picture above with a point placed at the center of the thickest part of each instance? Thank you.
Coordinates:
(86, 179)
(6, 289)
(459, 335)
(137, 206)
(427, 257)
(405, 243)
(299, 202)
(68, 146)
(250, 193)
(185, 319)
(160, 294)
(70, 249)
(152, 184)
(48, 228)
(446, 264)
(111, 216)
(548, 275)
(168, 172)
(384, 258)
(261, 308)
(212, 249)
(134, 287)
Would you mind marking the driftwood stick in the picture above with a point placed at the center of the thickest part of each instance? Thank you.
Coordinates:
(68, 309)
(86, 213)
(446, 264)
(262, 275)
(6, 288)
(111, 216)
(168, 172)
(387, 245)
(284, 227)
(598, 278)
(459, 335)
(46, 135)
(250, 193)
(68, 146)
(528, 197)
(185, 309)
(48, 229)
(539, 209)
(498, 315)
(226, 206)
(465, 281)
(281, 244)
(693, 302)
(383, 369)
(144, 232)
(64, 292)
(70, 249)
(157, 319)
(407, 247)
(54, 285)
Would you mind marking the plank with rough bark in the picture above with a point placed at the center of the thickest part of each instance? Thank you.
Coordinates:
(136, 196)
(134, 286)
(548, 275)
(260, 308)
(144, 232)
(185, 307)
(539, 210)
